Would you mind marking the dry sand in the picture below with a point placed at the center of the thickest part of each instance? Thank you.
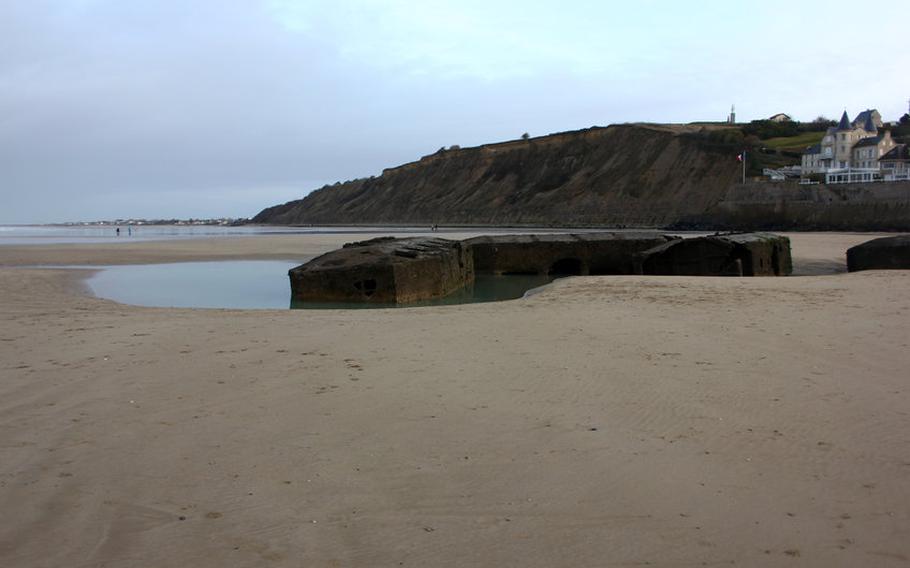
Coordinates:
(608, 421)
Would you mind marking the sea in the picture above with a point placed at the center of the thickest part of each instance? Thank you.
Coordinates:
(89, 234)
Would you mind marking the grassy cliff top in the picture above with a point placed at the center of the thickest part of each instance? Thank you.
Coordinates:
(796, 143)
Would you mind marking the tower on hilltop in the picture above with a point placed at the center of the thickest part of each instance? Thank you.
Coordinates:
(732, 118)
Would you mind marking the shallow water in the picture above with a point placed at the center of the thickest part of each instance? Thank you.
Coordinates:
(94, 234)
(259, 285)
(107, 234)
(235, 284)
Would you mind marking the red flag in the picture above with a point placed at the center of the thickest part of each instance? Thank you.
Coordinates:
(739, 157)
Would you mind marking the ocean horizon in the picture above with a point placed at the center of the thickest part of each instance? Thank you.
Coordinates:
(37, 234)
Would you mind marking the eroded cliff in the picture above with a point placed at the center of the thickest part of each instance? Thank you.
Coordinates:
(628, 175)
(682, 176)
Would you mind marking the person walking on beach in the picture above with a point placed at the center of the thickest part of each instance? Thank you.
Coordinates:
(118, 231)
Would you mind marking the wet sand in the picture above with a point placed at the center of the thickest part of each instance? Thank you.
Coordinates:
(607, 421)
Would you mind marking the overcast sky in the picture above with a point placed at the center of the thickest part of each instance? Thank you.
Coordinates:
(206, 108)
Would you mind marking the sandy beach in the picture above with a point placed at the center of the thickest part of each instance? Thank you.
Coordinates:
(607, 421)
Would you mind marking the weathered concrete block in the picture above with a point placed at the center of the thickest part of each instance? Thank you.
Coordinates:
(742, 254)
(763, 254)
(886, 253)
(561, 254)
(385, 270)
(389, 270)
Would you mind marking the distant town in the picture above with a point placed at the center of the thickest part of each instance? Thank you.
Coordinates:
(221, 222)
(862, 150)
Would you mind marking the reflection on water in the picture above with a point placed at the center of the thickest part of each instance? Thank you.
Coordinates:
(259, 285)
(232, 284)
(485, 289)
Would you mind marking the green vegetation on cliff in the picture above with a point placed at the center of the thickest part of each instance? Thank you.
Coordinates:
(796, 143)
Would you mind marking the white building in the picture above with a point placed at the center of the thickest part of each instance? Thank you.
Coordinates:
(895, 164)
(850, 151)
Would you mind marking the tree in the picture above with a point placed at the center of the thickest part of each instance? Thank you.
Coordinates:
(901, 132)
(525, 136)
(820, 123)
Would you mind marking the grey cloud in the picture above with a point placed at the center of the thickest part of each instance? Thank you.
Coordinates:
(112, 108)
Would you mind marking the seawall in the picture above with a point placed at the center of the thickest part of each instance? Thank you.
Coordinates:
(788, 205)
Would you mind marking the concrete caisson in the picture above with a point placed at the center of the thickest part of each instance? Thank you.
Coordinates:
(399, 271)
(736, 254)
(885, 253)
(561, 254)
(385, 270)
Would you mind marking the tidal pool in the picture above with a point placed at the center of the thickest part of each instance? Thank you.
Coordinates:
(260, 284)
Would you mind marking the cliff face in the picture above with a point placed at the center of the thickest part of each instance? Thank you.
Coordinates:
(640, 176)
(685, 177)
